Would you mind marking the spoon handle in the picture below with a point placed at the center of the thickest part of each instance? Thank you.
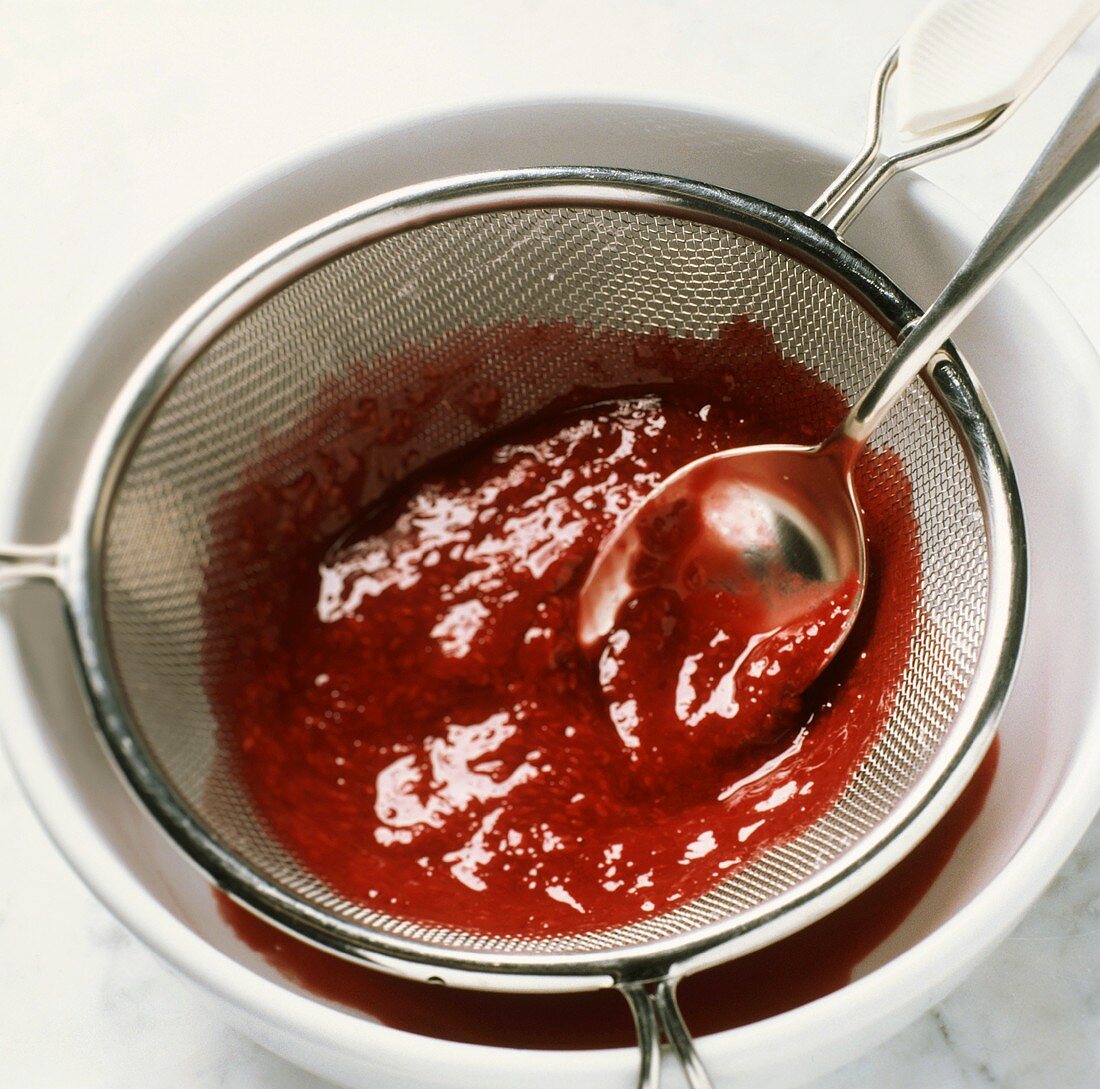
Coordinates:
(1067, 165)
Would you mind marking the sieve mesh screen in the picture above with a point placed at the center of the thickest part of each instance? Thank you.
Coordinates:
(600, 267)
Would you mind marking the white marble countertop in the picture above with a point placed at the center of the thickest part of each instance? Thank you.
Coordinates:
(122, 121)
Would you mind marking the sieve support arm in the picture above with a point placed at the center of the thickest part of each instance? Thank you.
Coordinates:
(649, 1034)
(869, 171)
(657, 1012)
(1067, 165)
(29, 563)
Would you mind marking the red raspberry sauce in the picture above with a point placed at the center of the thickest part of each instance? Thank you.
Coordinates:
(402, 682)
(806, 966)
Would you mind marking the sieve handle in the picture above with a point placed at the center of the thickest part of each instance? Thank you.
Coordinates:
(962, 69)
(27, 563)
(1068, 164)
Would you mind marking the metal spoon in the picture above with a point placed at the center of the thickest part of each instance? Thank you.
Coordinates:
(779, 527)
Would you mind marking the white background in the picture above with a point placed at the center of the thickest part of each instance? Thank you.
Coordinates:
(122, 122)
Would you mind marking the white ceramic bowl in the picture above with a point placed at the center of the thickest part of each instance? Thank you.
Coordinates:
(1043, 379)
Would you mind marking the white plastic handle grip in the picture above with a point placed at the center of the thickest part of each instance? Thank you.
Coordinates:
(963, 58)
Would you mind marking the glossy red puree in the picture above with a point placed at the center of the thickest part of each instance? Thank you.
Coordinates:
(691, 670)
(810, 964)
(409, 706)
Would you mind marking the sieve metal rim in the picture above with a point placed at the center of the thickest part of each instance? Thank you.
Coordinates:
(948, 378)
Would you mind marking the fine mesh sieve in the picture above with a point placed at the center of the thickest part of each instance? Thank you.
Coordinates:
(329, 310)
(601, 267)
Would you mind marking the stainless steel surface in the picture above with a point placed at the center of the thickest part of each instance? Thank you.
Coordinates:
(26, 563)
(678, 1036)
(1066, 166)
(648, 1031)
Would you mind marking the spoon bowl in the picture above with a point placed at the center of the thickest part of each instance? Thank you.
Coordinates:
(775, 527)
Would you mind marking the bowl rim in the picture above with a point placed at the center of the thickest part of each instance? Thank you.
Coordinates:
(1047, 845)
